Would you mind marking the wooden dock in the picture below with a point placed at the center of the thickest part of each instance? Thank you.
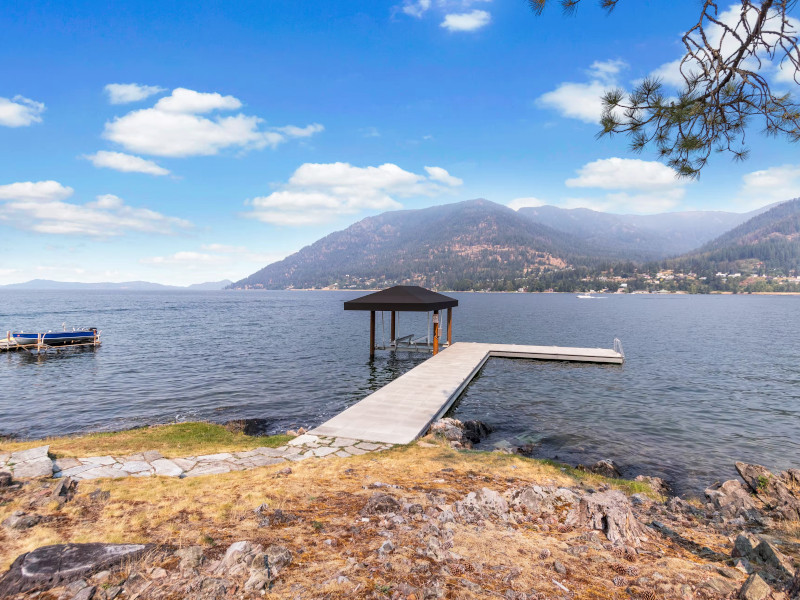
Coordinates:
(401, 411)
(11, 346)
(6, 346)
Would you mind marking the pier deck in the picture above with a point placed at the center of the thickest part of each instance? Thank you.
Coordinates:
(10, 346)
(403, 410)
(6, 346)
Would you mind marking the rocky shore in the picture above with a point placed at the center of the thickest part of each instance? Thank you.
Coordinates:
(419, 522)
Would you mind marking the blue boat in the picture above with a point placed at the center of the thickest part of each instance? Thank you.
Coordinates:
(58, 338)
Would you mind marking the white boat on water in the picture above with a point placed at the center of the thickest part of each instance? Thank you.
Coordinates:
(589, 296)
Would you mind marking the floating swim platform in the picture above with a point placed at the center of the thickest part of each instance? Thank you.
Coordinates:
(402, 410)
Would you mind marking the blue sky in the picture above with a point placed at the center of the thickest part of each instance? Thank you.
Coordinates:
(185, 142)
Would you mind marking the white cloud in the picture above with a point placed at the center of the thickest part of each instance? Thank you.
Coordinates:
(174, 127)
(191, 102)
(223, 257)
(441, 175)
(127, 163)
(416, 8)
(316, 193)
(301, 132)
(625, 173)
(531, 202)
(606, 70)
(634, 186)
(670, 74)
(577, 100)
(583, 101)
(727, 45)
(39, 206)
(185, 258)
(226, 248)
(774, 184)
(123, 93)
(35, 191)
(786, 73)
(623, 202)
(470, 21)
(20, 111)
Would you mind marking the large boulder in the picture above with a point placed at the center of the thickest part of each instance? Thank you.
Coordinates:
(536, 500)
(605, 467)
(609, 512)
(658, 485)
(266, 566)
(760, 551)
(794, 587)
(458, 434)
(475, 431)
(732, 500)
(49, 566)
(744, 546)
(769, 555)
(252, 427)
(755, 588)
(20, 520)
(482, 504)
(450, 429)
(381, 504)
(773, 490)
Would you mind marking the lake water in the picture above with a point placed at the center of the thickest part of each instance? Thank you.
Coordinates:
(708, 380)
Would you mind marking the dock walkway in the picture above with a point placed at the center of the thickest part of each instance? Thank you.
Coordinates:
(401, 411)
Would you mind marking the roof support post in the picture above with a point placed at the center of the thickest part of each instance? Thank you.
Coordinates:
(435, 332)
(394, 333)
(372, 334)
(449, 326)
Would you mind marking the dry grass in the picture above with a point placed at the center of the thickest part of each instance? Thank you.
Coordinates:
(218, 510)
(329, 537)
(173, 441)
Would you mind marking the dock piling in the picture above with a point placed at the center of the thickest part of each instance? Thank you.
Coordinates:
(435, 332)
(372, 334)
(449, 326)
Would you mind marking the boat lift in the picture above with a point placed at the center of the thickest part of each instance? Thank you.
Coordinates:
(411, 342)
(9, 344)
(406, 298)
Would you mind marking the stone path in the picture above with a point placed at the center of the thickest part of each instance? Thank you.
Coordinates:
(35, 462)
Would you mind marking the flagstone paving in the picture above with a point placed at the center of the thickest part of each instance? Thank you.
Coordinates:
(35, 462)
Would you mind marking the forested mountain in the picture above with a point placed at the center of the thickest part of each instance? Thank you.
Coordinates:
(767, 243)
(480, 245)
(640, 237)
(454, 246)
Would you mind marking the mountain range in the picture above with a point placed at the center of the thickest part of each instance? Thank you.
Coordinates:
(475, 240)
(768, 242)
(641, 237)
(478, 244)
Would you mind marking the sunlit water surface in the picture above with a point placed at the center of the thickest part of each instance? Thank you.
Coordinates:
(708, 380)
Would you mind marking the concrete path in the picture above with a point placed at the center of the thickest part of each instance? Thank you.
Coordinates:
(35, 462)
(401, 411)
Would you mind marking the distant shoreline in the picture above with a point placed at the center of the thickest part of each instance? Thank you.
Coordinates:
(678, 293)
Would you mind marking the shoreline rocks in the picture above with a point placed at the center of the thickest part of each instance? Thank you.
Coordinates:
(50, 566)
(578, 533)
(460, 435)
